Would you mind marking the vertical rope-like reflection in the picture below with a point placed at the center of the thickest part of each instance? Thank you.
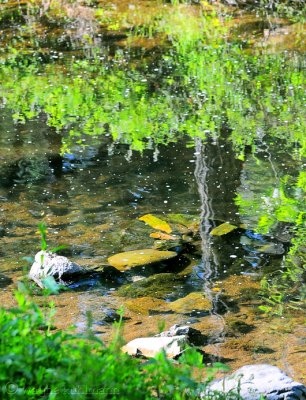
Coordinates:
(208, 268)
(201, 175)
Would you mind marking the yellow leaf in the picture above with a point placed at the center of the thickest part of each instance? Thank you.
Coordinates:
(162, 236)
(156, 223)
(223, 229)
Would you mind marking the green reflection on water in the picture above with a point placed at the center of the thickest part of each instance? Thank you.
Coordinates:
(199, 85)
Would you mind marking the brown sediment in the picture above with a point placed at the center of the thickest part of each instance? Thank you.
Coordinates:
(244, 336)
(271, 34)
(263, 344)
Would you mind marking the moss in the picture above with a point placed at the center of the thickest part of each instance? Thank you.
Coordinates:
(145, 305)
(158, 286)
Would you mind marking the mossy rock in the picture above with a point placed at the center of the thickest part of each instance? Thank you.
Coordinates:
(145, 305)
(194, 301)
(158, 286)
(135, 258)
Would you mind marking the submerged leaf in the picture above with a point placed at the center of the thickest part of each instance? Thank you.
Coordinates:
(223, 229)
(156, 223)
(162, 236)
(272, 248)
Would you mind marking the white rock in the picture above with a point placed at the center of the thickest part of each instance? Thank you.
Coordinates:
(151, 346)
(260, 380)
(50, 264)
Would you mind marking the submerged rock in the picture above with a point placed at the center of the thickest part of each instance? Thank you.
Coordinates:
(260, 380)
(145, 305)
(158, 286)
(193, 302)
(130, 259)
(50, 264)
(151, 346)
(108, 316)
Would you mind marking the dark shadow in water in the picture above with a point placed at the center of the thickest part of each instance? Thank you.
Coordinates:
(211, 358)
(258, 349)
(96, 281)
(5, 281)
(237, 328)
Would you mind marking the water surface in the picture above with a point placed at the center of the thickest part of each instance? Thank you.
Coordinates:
(101, 126)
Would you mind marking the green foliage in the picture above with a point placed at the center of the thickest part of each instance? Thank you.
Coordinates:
(282, 290)
(301, 181)
(38, 362)
(43, 233)
(42, 228)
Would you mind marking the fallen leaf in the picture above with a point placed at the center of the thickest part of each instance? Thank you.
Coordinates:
(223, 229)
(156, 223)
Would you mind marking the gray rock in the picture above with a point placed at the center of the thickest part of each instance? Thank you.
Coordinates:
(108, 316)
(50, 264)
(260, 380)
(151, 346)
(194, 335)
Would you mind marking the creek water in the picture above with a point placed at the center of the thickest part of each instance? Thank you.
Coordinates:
(91, 197)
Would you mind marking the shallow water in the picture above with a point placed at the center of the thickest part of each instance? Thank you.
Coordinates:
(83, 176)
